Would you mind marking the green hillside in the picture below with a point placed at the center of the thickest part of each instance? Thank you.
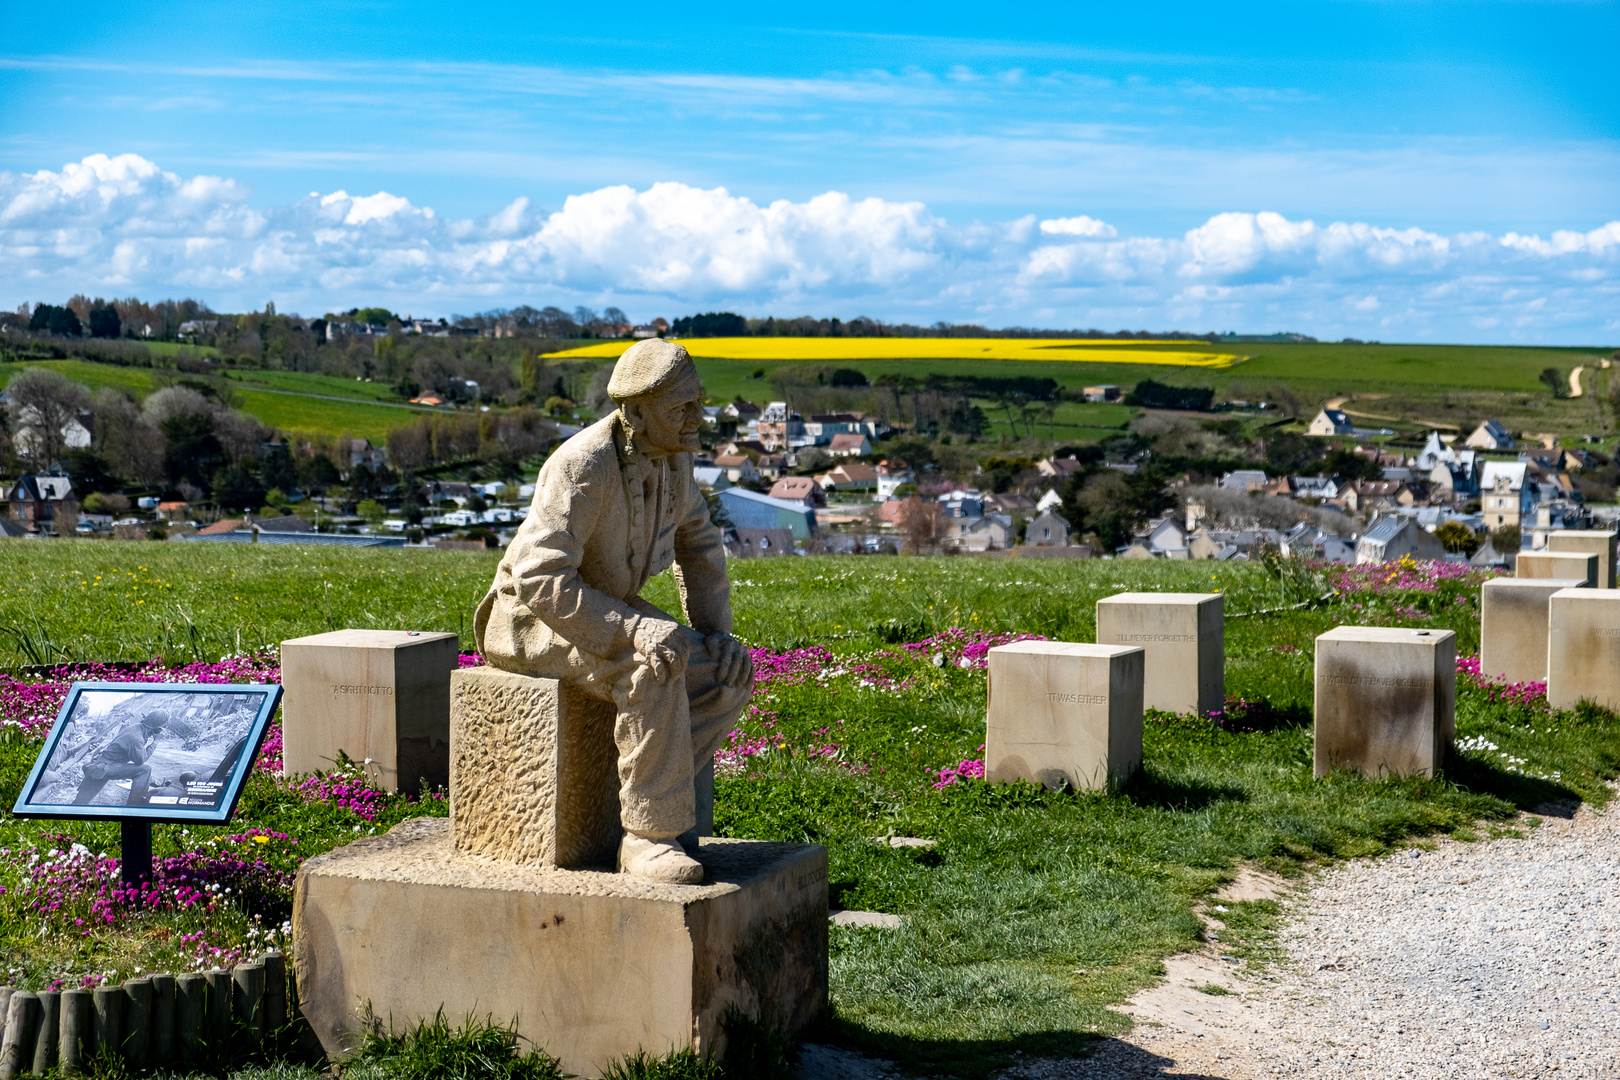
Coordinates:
(289, 401)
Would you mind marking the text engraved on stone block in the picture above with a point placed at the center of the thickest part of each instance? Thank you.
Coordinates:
(809, 877)
(361, 688)
(1376, 680)
(1079, 699)
(1155, 637)
(1607, 631)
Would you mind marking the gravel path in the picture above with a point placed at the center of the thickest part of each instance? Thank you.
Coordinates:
(1487, 960)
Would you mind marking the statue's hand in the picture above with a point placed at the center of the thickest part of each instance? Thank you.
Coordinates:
(661, 643)
(733, 665)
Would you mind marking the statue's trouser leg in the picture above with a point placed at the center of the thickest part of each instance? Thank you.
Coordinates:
(665, 736)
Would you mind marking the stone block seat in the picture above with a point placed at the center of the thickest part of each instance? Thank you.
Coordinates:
(1548, 565)
(1583, 648)
(1599, 542)
(1064, 713)
(1386, 700)
(1183, 638)
(511, 908)
(380, 696)
(1513, 626)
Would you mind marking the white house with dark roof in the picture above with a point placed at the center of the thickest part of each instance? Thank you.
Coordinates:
(1331, 422)
(1490, 435)
(1315, 487)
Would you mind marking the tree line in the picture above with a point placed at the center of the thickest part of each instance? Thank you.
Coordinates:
(730, 324)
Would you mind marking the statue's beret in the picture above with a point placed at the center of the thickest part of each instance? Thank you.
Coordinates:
(647, 366)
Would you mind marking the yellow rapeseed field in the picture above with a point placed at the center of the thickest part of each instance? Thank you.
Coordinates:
(833, 350)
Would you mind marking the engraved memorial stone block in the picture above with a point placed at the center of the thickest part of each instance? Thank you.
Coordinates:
(1513, 626)
(380, 696)
(1583, 648)
(1548, 565)
(1060, 711)
(1386, 699)
(1183, 636)
(1599, 542)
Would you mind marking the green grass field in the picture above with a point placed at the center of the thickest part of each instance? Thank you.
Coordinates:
(309, 383)
(135, 381)
(174, 348)
(1037, 910)
(313, 414)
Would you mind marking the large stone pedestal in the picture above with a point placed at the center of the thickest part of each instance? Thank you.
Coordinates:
(1513, 626)
(511, 908)
(1183, 638)
(1061, 712)
(591, 965)
(1386, 699)
(380, 696)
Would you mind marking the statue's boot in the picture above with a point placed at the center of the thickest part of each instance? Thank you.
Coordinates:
(658, 860)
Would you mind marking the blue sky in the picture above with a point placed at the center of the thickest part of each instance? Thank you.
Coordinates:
(1395, 170)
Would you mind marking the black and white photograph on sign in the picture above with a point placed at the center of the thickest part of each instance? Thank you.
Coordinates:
(145, 748)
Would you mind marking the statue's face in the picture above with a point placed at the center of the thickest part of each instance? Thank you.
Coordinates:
(668, 422)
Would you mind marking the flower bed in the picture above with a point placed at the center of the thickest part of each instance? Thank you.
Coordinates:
(1409, 575)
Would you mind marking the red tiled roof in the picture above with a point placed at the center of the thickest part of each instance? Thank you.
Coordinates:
(793, 487)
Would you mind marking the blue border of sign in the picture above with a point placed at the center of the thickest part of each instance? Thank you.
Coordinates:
(233, 791)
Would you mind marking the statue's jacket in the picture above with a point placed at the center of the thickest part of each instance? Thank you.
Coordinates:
(605, 519)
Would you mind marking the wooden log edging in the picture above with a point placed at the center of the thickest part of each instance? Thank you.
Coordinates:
(149, 1020)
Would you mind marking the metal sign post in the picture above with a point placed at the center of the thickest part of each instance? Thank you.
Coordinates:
(135, 857)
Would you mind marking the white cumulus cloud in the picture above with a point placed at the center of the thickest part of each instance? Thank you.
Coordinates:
(124, 225)
(1078, 226)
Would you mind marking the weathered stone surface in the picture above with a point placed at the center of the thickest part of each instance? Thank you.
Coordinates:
(382, 695)
(1599, 542)
(1583, 648)
(1061, 712)
(1183, 635)
(1549, 565)
(1385, 699)
(533, 771)
(1513, 626)
(591, 965)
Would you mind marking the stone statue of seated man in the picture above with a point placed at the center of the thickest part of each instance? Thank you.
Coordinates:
(614, 506)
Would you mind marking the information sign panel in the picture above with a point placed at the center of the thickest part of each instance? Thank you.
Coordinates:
(132, 751)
